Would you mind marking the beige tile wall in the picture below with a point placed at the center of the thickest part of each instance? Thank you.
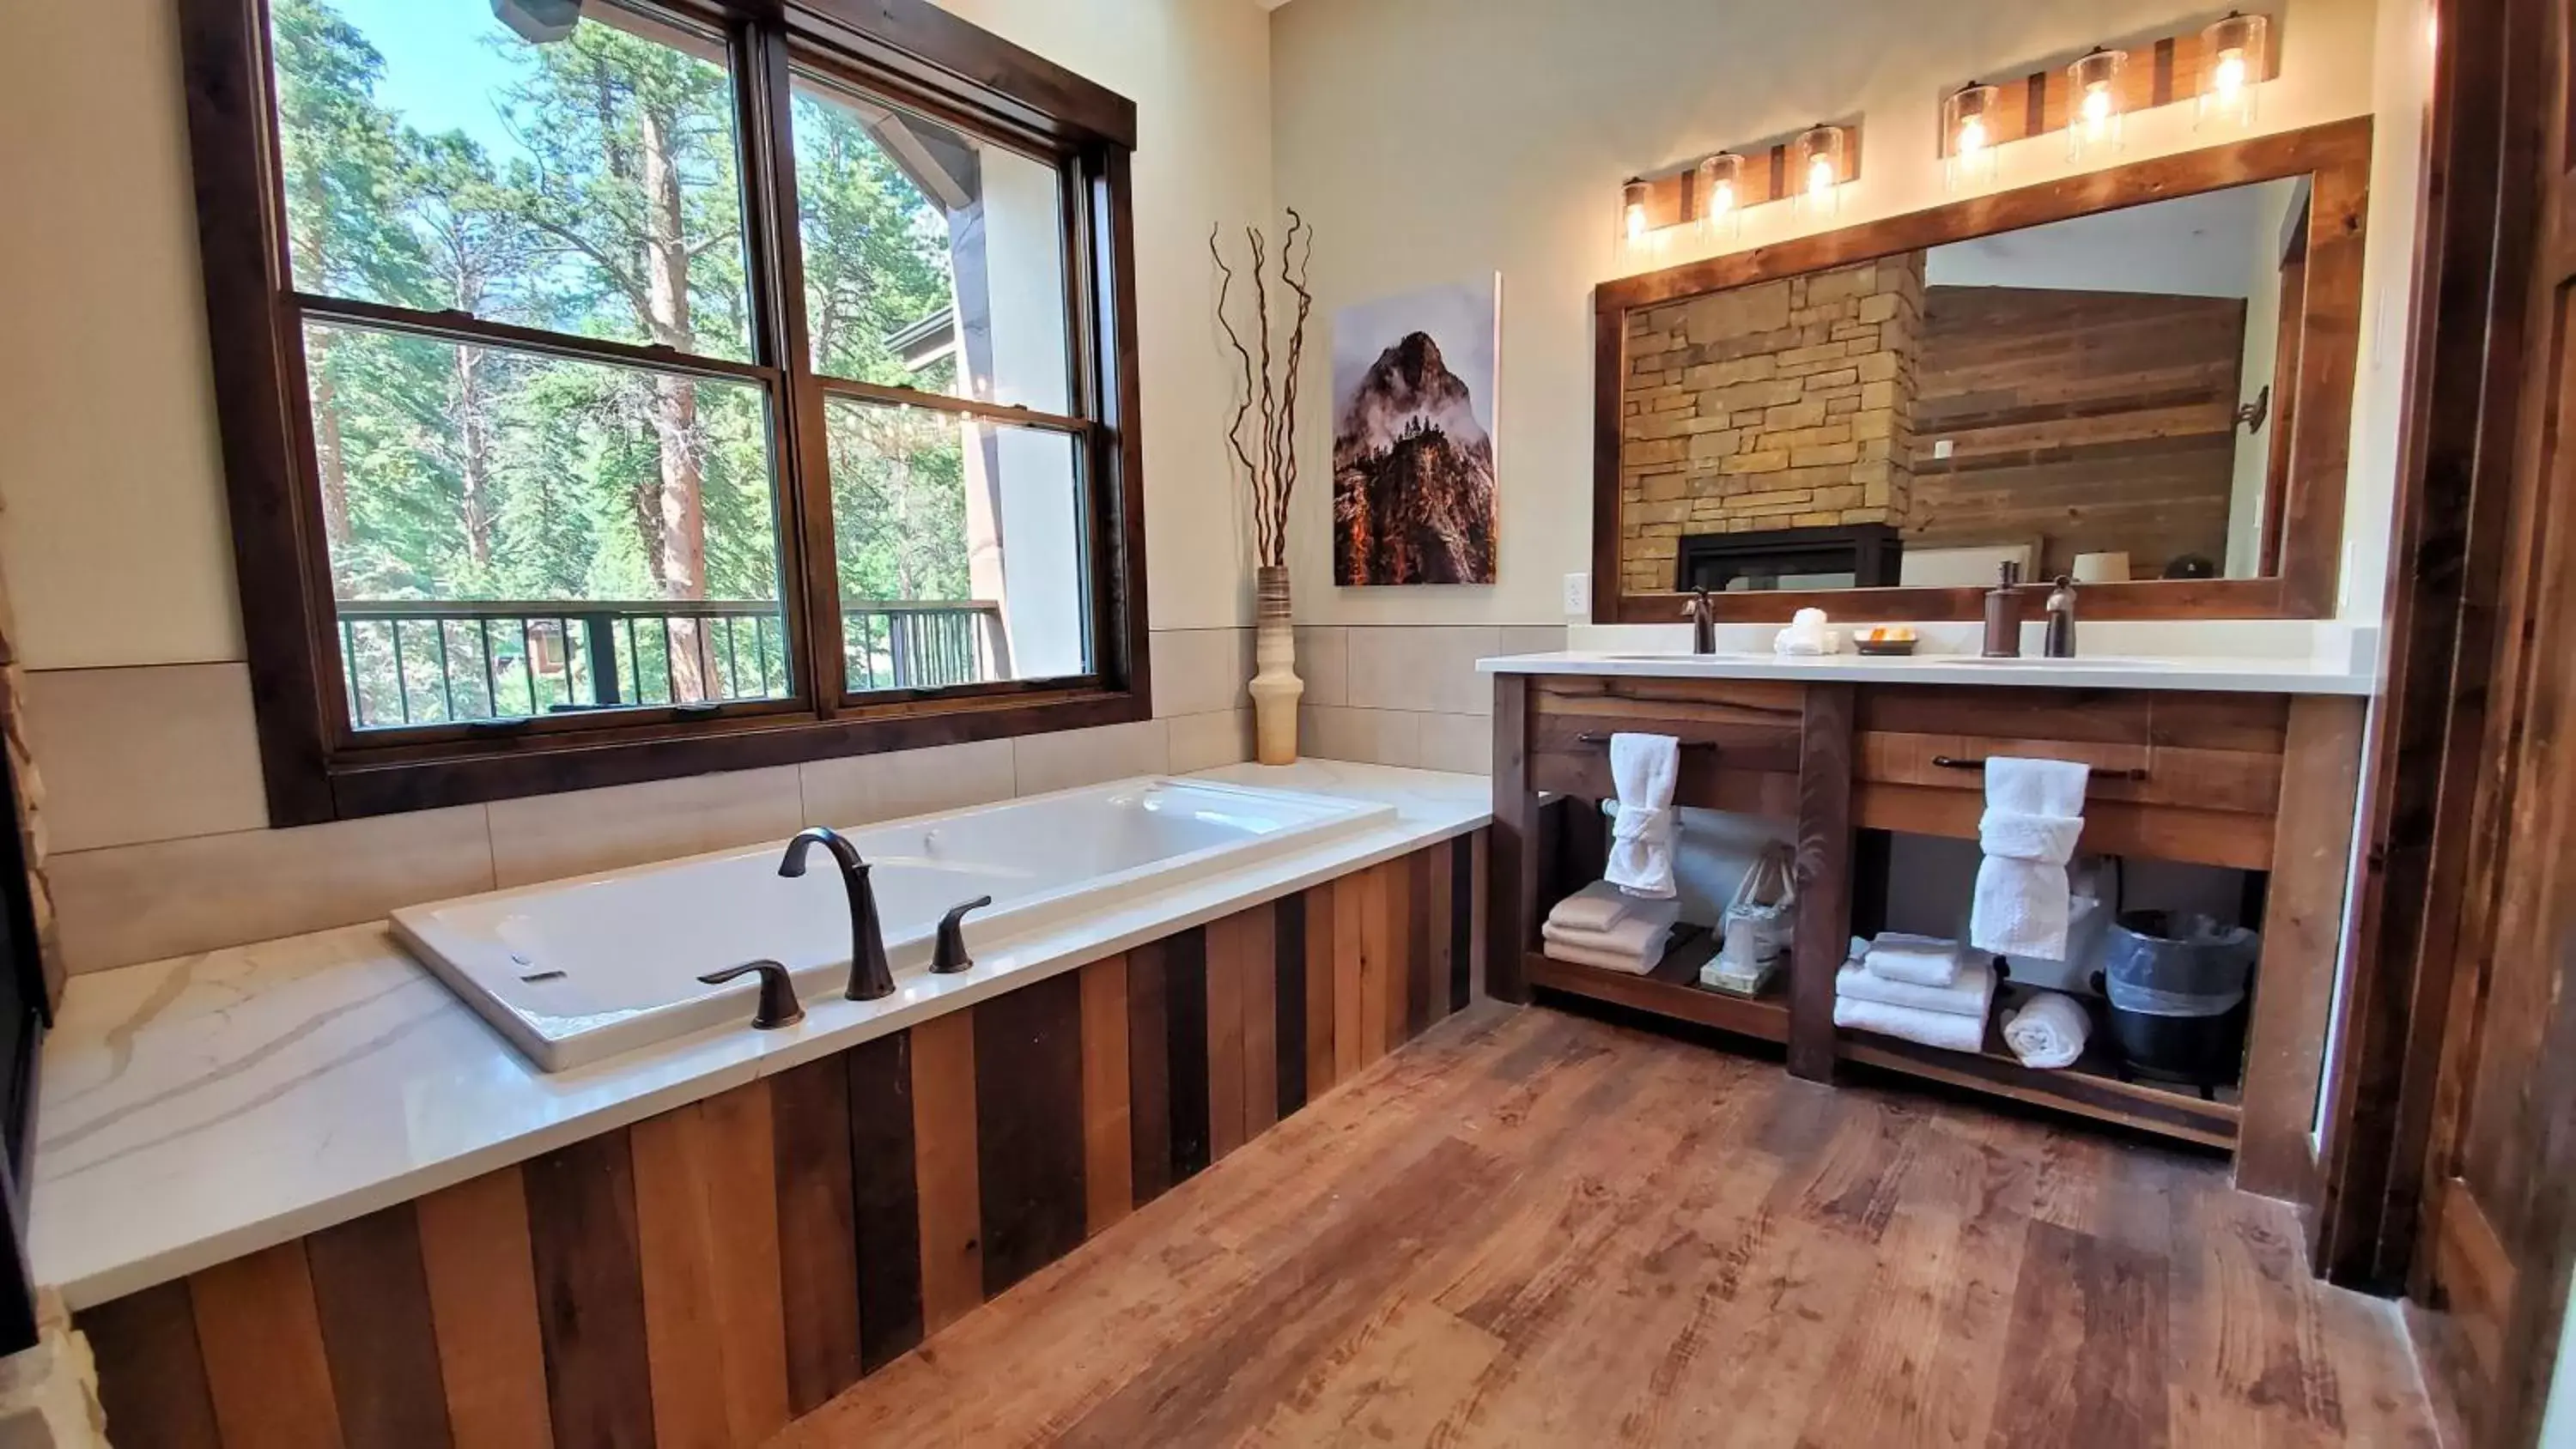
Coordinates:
(159, 829)
(1406, 694)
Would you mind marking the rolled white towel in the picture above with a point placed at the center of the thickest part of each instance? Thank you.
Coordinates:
(1602, 907)
(1927, 1028)
(1971, 995)
(2034, 817)
(1920, 960)
(1643, 768)
(2048, 1030)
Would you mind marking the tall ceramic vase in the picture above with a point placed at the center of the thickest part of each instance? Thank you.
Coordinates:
(1275, 685)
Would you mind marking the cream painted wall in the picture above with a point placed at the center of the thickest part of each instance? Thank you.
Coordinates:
(1432, 140)
(114, 537)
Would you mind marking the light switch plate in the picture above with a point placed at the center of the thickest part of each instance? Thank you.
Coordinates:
(1941, 448)
(1578, 593)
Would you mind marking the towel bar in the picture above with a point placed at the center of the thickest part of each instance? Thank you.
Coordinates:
(1951, 762)
(1589, 737)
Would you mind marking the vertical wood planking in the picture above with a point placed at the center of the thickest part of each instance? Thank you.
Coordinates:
(1288, 997)
(1481, 914)
(1108, 1167)
(885, 1202)
(1149, 1070)
(1227, 962)
(372, 1301)
(1459, 921)
(1380, 978)
(1260, 968)
(481, 1277)
(707, 1230)
(1322, 911)
(261, 1336)
(1351, 976)
(1824, 884)
(943, 1150)
(1185, 1007)
(818, 1236)
(152, 1379)
(1030, 1145)
(590, 1292)
(1511, 865)
(1426, 995)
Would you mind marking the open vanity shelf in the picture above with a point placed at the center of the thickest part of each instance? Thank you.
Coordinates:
(2253, 781)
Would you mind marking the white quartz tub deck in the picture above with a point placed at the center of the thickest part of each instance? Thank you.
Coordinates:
(577, 971)
(201, 1108)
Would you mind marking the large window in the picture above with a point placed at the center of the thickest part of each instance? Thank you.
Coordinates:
(616, 389)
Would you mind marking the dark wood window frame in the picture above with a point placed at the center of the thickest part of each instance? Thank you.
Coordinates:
(318, 766)
(2336, 154)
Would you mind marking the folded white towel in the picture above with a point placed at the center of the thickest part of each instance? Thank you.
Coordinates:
(1643, 768)
(1970, 995)
(1601, 906)
(1606, 960)
(2034, 814)
(1919, 960)
(1929, 1028)
(1639, 936)
(2048, 1030)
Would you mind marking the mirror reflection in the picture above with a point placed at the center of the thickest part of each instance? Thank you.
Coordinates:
(2103, 397)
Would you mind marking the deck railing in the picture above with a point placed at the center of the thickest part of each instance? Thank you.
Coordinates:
(409, 662)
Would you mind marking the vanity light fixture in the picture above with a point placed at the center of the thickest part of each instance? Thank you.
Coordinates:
(1818, 159)
(2095, 85)
(2235, 57)
(1968, 136)
(1721, 195)
(1633, 224)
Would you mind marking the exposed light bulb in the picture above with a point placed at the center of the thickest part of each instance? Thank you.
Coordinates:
(2097, 108)
(2229, 77)
(1636, 221)
(1972, 136)
(1721, 199)
(1820, 176)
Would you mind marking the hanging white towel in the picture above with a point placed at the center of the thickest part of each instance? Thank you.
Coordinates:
(1970, 995)
(1601, 906)
(1929, 1028)
(1920, 960)
(2048, 1030)
(1643, 768)
(2034, 815)
(1641, 936)
(1637, 965)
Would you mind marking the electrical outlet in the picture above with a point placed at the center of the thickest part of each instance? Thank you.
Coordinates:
(1941, 448)
(1578, 593)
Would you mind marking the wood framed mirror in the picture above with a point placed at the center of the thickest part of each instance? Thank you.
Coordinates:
(2140, 376)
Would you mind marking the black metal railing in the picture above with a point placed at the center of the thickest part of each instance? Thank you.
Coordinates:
(410, 662)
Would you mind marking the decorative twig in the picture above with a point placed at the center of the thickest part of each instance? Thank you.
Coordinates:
(1269, 459)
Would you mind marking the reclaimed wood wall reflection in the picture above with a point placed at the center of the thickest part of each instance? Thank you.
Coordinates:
(706, 1275)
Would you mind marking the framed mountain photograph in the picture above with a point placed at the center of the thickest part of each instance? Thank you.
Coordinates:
(1413, 436)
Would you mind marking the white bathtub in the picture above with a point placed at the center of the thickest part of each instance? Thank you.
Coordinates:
(576, 970)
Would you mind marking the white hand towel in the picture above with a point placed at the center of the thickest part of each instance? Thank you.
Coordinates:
(2034, 814)
(1919, 960)
(2048, 1031)
(1929, 1028)
(1643, 768)
(1606, 960)
(1601, 906)
(1639, 936)
(1970, 995)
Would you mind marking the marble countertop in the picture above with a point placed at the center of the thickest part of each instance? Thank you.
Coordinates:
(200, 1108)
(2222, 674)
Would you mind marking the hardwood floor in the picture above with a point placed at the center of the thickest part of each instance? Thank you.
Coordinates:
(1533, 1228)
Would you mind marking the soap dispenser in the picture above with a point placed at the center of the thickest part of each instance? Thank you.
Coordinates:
(2003, 614)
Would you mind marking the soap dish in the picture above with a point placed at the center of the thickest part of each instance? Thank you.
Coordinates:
(1884, 647)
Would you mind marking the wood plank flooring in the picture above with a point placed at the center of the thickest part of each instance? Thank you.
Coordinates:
(1533, 1228)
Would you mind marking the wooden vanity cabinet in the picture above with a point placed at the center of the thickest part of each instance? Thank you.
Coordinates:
(2259, 782)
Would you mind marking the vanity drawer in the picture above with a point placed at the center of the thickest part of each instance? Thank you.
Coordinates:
(1740, 738)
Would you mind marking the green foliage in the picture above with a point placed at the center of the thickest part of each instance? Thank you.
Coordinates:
(473, 472)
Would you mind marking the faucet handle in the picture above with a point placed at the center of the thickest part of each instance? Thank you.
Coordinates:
(948, 956)
(778, 1005)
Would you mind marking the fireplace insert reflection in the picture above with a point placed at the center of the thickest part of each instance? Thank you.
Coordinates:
(1859, 555)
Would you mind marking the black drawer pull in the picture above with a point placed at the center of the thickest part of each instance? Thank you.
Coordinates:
(1952, 762)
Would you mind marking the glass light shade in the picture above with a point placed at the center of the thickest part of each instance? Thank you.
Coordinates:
(1819, 165)
(1720, 183)
(1633, 225)
(2094, 91)
(1968, 136)
(2235, 56)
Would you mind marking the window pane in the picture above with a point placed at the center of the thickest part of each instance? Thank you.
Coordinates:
(512, 534)
(588, 184)
(933, 259)
(961, 545)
